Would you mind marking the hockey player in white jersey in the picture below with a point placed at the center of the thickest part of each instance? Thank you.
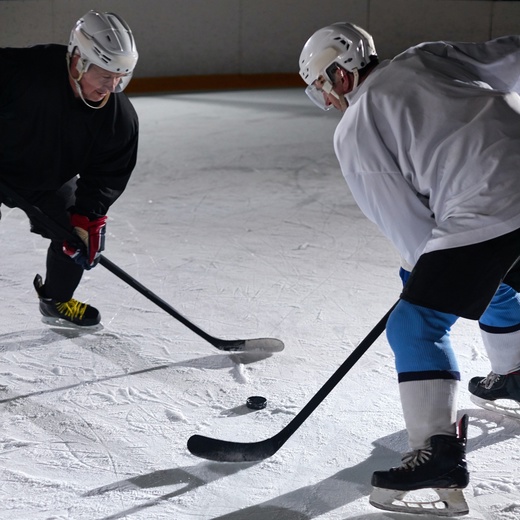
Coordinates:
(429, 144)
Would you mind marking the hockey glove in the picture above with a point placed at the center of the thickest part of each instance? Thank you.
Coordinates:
(92, 233)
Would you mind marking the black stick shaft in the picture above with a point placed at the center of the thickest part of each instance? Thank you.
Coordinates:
(340, 373)
(229, 451)
(132, 282)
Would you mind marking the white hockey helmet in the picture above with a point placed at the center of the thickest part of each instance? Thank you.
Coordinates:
(105, 40)
(341, 43)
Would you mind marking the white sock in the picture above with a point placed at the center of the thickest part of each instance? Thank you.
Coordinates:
(429, 408)
(503, 351)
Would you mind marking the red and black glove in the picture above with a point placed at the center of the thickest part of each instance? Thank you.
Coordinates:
(92, 233)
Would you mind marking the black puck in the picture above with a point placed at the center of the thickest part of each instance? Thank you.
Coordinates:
(256, 402)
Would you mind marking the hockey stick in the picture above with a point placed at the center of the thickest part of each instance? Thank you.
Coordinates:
(57, 231)
(229, 345)
(227, 451)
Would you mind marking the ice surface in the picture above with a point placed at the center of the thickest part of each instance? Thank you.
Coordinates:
(238, 216)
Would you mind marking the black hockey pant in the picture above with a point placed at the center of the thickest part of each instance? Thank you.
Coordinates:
(63, 274)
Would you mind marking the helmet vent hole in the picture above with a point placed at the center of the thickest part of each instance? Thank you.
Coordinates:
(343, 42)
(101, 56)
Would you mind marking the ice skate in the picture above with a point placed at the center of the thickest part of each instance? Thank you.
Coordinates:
(441, 468)
(497, 393)
(66, 314)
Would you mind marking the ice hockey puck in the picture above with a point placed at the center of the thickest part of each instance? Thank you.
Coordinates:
(256, 402)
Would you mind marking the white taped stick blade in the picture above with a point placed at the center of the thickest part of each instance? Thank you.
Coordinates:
(448, 503)
(264, 344)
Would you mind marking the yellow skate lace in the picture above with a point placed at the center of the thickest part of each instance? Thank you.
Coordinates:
(72, 309)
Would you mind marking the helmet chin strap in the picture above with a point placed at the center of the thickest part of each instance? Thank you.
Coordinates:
(356, 79)
(343, 105)
(78, 87)
(342, 101)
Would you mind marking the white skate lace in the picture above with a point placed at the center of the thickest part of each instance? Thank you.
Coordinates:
(490, 380)
(414, 458)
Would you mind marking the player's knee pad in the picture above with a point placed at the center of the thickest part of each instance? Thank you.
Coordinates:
(420, 339)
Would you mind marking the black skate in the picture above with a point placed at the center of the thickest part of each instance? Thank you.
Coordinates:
(68, 313)
(441, 468)
(497, 393)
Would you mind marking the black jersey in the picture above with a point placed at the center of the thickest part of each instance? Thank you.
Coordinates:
(48, 136)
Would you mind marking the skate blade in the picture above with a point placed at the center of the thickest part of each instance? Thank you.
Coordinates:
(508, 407)
(64, 324)
(450, 502)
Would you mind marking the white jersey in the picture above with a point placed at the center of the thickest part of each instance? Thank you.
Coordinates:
(430, 145)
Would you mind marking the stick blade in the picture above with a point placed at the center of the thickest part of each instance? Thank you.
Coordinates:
(249, 345)
(264, 344)
(228, 451)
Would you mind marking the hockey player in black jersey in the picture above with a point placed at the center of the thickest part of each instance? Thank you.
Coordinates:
(69, 145)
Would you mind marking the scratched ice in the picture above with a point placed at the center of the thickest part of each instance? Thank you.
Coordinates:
(238, 217)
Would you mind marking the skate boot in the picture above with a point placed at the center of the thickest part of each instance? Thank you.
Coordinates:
(63, 313)
(441, 468)
(498, 393)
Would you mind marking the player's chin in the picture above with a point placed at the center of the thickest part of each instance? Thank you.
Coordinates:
(96, 96)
